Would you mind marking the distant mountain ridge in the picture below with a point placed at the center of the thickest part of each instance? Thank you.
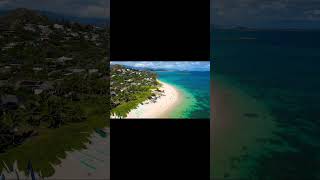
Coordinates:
(276, 28)
(82, 20)
(24, 14)
(146, 68)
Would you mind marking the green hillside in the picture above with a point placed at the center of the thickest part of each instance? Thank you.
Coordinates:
(54, 81)
(130, 87)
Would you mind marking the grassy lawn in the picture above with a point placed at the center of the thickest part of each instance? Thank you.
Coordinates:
(50, 145)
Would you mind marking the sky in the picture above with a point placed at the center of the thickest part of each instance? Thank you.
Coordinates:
(78, 8)
(229, 13)
(170, 65)
(266, 13)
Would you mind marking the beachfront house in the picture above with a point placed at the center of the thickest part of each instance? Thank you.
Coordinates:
(113, 93)
(29, 27)
(37, 87)
(77, 70)
(92, 71)
(37, 69)
(28, 84)
(9, 102)
(45, 86)
(64, 59)
(58, 26)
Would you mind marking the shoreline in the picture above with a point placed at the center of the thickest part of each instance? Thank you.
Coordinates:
(162, 107)
(92, 162)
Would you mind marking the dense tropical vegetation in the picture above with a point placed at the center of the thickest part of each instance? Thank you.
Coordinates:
(130, 87)
(53, 75)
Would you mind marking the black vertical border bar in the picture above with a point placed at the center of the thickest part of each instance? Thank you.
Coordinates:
(160, 149)
(173, 30)
(160, 30)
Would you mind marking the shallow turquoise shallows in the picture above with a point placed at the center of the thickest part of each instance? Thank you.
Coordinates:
(195, 89)
(280, 69)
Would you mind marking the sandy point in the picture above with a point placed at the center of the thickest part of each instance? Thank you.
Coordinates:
(162, 107)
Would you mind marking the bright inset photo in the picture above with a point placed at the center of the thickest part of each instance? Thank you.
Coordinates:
(160, 89)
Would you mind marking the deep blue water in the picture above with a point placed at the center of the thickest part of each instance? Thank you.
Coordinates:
(282, 70)
(195, 86)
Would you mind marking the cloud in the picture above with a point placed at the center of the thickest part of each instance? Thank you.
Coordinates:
(174, 65)
(3, 3)
(313, 15)
(143, 64)
(94, 11)
(80, 8)
(261, 12)
(140, 65)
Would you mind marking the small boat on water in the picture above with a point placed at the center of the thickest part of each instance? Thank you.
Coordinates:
(101, 132)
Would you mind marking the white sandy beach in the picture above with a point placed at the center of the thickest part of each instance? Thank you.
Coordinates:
(161, 108)
(91, 163)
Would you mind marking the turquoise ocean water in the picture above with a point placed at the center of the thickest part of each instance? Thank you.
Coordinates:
(195, 88)
(280, 69)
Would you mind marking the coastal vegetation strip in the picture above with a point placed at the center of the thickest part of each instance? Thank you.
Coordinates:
(130, 87)
(50, 145)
